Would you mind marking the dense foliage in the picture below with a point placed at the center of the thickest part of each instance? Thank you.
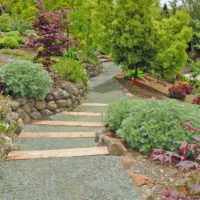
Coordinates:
(25, 79)
(146, 125)
(71, 70)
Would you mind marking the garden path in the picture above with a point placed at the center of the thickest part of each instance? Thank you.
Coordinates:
(70, 173)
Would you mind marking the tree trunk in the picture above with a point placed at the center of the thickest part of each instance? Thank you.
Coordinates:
(192, 47)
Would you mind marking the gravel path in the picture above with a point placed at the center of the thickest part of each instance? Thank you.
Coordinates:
(76, 178)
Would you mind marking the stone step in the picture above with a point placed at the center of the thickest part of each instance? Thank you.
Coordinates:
(98, 109)
(89, 114)
(68, 123)
(44, 128)
(35, 144)
(75, 118)
(25, 155)
(58, 135)
(95, 104)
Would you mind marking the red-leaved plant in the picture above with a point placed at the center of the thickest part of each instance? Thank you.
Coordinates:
(52, 34)
(180, 91)
(196, 101)
(185, 151)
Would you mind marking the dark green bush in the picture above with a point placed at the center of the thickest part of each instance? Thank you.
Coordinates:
(25, 79)
(153, 124)
(5, 23)
(71, 70)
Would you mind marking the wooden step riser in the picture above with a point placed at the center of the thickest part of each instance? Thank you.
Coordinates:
(95, 104)
(87, 114)
(58, 135)
(26, 155)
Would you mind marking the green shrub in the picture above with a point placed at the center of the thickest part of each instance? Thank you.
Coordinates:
(5, 23)
(9, 42)
(16, 35)
(117, 112)
(25, 79)
(90, 59)
(154, 124)
(71, 70)
(71, 53)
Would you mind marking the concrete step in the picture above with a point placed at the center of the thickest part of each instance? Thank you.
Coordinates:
(68, 123)
(58, 135)
(25, 155)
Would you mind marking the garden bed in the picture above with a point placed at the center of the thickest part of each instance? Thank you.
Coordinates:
(157, 176)
(150, 88)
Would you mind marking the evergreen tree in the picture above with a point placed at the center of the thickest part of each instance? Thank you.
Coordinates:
(132, 33)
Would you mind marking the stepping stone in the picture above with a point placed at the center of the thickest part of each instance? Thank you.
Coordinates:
(25, 155)
(89, 114)
(58, 135)
(95, 104)
(68, 123)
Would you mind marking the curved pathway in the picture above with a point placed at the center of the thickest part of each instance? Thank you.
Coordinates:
(71, 166)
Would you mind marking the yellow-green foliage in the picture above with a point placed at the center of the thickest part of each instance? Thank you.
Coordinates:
(71, 70)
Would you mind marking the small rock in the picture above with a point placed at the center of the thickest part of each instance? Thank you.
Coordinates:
(115, 147)
(14, 116)
(23, 115)
(35, 115)
(40, 105)
(147, 195)
(46, 113)
(22, 101)
(31, 102)
(69, 103)
(20, 126)
(60, 94)
(49, 97)
(70, 88)
(14, 104)
(61, 103)
(98, 134)
(52, 106)
(139, 180)
(27, 108)
(127, 162)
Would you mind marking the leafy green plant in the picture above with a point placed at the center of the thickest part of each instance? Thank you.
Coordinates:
(16, 35)
(90, 58)
(131, 74)
(71, 53)
(117, 112)
(71, 70)
(135, 89)
(9, 42)
(25, 79)
(5, 23)
(152, 124)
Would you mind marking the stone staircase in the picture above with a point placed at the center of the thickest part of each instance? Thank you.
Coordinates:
(79, 121)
